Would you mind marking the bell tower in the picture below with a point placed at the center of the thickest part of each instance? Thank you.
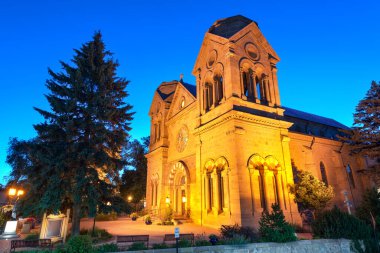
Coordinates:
(236, 66)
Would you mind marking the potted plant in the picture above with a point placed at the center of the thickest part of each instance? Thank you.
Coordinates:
(134, 216)
(213, 239)
(148, 220)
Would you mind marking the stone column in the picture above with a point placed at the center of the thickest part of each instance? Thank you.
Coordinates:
(254, 89)
(266, 85)
(242, 84)
(280, 194)
(276, 98)
(265, 188)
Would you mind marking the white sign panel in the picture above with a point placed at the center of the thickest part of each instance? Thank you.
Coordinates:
(10, 227)
(176, 232)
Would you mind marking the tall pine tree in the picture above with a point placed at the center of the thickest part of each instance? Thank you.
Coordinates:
(364, 137)
(366, 130)
(79, 145)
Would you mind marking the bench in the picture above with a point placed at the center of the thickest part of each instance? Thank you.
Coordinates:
(123, 239)
(43, 243)
(187, 237)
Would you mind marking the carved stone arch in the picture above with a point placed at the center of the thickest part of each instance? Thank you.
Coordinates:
(221, 163)
(209, 166)
(178, 167)
(272, 163)
(255, 161)
(245, 64)
(155, 177)
(260, 69)
(208, 77)
(218, 69)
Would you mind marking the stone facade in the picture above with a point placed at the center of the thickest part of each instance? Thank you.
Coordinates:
(224, 150)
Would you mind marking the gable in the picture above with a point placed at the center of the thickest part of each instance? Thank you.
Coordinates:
(182, 98)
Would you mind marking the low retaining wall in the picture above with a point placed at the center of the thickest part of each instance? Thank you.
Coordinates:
(303, 246)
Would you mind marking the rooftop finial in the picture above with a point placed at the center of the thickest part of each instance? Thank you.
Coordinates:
(181, 77)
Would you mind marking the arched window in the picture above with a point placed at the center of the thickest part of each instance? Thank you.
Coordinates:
(219, 88)
(221, 191)
(249, 85)
(208, 96)
(323, 173)
(263, 200)
(351, 180)
(210, 196)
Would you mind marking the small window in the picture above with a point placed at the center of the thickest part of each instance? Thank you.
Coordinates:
(351, 180)
(183, 103)
(323, 173)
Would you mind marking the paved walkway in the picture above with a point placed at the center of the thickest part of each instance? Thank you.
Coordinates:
(125, 226)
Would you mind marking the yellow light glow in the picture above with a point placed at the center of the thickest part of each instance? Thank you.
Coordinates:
(108, 203)
(12, 192)
(184, 199)
(167, 200)
(20, 192)
(130, 198)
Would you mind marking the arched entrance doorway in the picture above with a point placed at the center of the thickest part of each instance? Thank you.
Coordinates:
(179, 189)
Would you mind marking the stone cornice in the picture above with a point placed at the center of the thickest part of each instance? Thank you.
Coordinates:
(247, 117)
(156, 150)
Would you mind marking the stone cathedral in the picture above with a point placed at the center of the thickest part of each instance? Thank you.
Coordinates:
(223, 150)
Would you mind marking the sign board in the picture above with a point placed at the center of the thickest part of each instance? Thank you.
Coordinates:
(10, 227)
(176, 233)
(10, 230)
(54, 227)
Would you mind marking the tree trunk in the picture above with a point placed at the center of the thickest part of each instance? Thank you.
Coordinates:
(75, 222)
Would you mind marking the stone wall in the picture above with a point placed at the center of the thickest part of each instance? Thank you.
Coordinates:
(304, 246)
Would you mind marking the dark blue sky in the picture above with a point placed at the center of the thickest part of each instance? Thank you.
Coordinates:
(329, 50)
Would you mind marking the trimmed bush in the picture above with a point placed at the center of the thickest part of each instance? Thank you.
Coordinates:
(137, 246)
(334, 224)
(111, 247)
(79, 244)
(184, 244)
(229, 231)
(31, 237)
(160, 246)
(274, 228)
(235, 240)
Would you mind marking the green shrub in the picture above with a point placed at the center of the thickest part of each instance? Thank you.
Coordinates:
(235, 240)
(98, 235)
(370, 207)
(31, 237)
(79, 244)
(274, 228)
(200, 243)
(229, 231)
(111, 247)
(137, 246)
(106, 217)
(184, 244)
(160, 246)
(334, 224)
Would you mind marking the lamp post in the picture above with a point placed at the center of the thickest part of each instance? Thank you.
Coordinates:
(12, 193)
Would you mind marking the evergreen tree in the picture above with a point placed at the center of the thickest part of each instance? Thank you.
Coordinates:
(366, 136)
(77, 154)
(274, 227)
(133, 180)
